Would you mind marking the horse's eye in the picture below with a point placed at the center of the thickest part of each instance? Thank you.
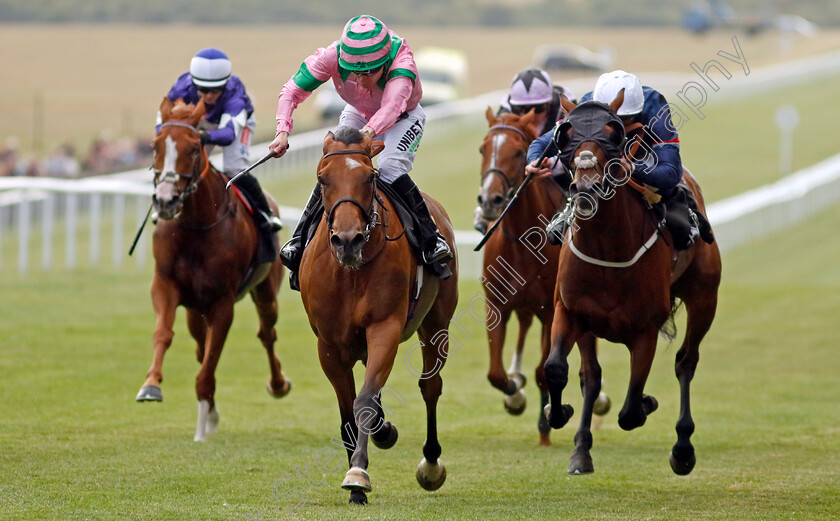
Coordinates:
(321, 180)
(371, 179)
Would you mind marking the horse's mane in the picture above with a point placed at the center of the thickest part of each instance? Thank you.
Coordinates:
(348, 135)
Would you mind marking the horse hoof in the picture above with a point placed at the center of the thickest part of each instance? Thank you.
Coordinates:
(357, 497)
(515, 403)
(149, 393)
(545, 440)
(684, 466)
(602, 404)
(283, 392)
(581, 463)
(558, 421)
(357, 479)
(649, 404)
(390, 438)
(431, 475)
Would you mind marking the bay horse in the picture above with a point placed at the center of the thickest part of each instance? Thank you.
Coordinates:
(618, 278)
(358, 280)
(203, 247)
(519, 264)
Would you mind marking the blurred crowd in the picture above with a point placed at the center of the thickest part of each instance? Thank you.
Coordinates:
(105, 155)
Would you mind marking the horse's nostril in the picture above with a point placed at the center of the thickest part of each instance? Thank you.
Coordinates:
(498, 200)
(357, 242)
(480, 199)
(336, 242)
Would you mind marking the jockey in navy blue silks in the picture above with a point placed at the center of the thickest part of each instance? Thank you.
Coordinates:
(228, 120)
(661, 168)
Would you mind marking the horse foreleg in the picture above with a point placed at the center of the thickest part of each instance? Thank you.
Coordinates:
(382, 342)
(700, 316)
(164, 302)
(637, 405)
(219, 320)
(431, 472)
(265, 299)
(510, 384)
(564, 334)
(590, 386)
(198, 329)
(539, 377)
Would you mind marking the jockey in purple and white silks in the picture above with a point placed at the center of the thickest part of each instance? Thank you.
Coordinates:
(373, 70)
(530, 89)
(228, 120)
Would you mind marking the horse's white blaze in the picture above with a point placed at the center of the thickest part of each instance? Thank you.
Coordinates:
(352, 163)
(171, 157)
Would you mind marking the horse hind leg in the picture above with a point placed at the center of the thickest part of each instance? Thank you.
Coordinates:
(198, 329)
(431, 473)
(265, 300)
(700, 317)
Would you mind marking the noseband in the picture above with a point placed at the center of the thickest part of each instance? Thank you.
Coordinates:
(370, 214)
(510, 186)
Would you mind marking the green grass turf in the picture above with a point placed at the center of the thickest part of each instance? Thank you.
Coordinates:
(74, 445)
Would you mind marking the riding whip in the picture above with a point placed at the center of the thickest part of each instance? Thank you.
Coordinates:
(257, 163)
(522, 186)
(137, 237)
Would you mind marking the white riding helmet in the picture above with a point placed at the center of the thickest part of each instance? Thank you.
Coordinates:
(531, 86)
(610, 83)
(210, 68)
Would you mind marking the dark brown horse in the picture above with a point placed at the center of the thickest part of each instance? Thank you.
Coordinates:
(203, 247)
(618, 278)
(358, 279)
(520, 265)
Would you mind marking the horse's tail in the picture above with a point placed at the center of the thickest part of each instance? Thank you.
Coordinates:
(668, 331)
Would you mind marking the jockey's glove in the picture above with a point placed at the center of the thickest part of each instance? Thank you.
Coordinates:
(204, 136)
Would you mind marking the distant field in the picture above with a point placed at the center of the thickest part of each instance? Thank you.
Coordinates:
(75, 446)
(85, 79)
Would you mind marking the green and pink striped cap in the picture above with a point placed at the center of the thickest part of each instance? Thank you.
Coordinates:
(365, 44)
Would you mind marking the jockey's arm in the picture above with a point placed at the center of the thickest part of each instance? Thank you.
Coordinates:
(663, 170)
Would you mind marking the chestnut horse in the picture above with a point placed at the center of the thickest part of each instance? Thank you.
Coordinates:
(358, 280)
(520, 265)
(203, 248)
(618, 277)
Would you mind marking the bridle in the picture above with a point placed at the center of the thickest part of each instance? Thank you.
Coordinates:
(370, 214)
(173, 177)
(606, 185)
(510, 184)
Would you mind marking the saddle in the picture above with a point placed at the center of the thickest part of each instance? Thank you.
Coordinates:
(266, 251)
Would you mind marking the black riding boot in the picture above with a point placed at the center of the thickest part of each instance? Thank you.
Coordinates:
(267, 221)
(436, 252)
(681, 220)
(292, 251)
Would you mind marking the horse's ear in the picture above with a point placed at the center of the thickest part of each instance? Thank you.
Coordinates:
(376, 147)
(165, 108)
(198, 112)
(491, 116)
(329, 139)
(618, 101)
(566, 103)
